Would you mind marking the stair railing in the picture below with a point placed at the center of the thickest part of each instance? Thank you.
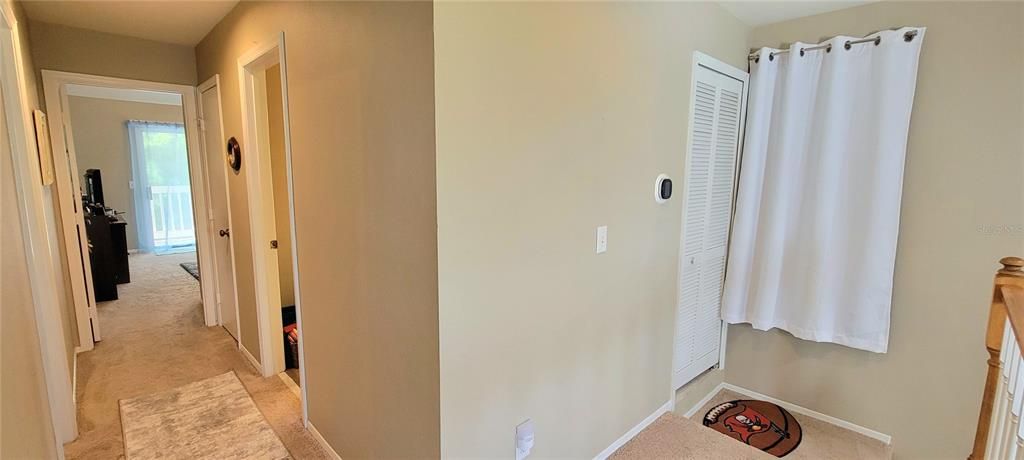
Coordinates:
(1000, 432)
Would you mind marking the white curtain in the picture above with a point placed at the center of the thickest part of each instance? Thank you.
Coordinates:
(163, 198)
(817, 215)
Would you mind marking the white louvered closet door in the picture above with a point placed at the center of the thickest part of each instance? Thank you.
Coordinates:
(707, 214)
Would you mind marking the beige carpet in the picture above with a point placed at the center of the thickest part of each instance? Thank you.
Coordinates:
(675, 437)
(154, 340)
(210, 419)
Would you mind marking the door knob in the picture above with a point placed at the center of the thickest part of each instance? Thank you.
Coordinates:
(225, 232)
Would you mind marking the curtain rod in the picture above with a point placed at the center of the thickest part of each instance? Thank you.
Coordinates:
(877, 40)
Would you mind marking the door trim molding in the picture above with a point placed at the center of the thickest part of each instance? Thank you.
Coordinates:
(265, 54)
(56, 102)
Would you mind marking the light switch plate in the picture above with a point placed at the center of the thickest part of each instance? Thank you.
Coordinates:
(602, 239)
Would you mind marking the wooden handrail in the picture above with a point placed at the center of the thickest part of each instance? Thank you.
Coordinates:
(1013, 299)
(1007, 301)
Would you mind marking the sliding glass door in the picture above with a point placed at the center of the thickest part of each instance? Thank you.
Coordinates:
(163, 199)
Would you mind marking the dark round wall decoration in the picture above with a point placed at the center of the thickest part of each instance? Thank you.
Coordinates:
(234, 154)
(760, 424)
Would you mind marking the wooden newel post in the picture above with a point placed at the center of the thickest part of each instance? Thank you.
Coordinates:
(1011, 273)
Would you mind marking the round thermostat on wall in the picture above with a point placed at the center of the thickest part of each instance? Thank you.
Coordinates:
(662, 188)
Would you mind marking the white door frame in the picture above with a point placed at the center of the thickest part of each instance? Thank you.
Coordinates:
(256, 162)
(703, 60)
(205, 127)
(54, 87)
(43, 275)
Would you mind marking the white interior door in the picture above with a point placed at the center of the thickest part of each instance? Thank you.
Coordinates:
(717, 106)
(220, 211)
(76, 242)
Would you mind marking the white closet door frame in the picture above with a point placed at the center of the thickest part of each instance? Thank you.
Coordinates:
(714, 65)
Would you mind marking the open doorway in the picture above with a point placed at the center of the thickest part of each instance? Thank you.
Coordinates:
(130, 188)
(275, 142)
(131, 158)
(263, 84)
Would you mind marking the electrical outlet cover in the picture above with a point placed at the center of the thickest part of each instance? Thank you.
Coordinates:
(524, 439)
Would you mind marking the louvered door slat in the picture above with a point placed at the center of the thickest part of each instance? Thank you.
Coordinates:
(707, 214)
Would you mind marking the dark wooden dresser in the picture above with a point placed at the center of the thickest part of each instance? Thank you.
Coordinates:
(108, 254)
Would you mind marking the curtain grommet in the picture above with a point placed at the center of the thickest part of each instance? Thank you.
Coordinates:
(757, 59)
(847, 45)
(878, 40)
(909, 36)
(828, 49)
(771, 56)
(801, 52)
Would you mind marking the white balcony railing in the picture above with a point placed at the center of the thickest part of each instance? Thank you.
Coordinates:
(171, 209)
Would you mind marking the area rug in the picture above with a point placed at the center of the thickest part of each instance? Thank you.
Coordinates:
(192, 268)
(209, 419)
(760, 424)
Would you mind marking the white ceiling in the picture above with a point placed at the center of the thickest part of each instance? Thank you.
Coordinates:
(186, 22)
(759, 13)
(180, 22)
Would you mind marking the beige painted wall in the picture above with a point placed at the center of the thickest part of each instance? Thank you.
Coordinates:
(70, 49)
(279, 170)
(554, 119)
(101, 142)
(362, 133)
(26, 429)
(962, 210)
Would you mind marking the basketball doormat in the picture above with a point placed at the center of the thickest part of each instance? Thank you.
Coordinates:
(761, 424)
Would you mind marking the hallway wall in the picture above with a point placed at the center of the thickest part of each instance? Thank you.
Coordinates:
(554, 119)
(963, 209)
(70, 49)
(362, 132)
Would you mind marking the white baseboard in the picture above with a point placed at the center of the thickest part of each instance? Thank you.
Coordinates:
(323, 442)
(288, 382)
(667, 407)
(74, 378)
(252, 360)
(696, 407)
(887, 439)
